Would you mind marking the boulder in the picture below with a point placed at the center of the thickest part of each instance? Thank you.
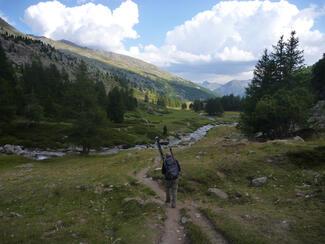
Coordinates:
(257, 182)
(219, 193)
(317, 119)
(13, 149)
(298, 138)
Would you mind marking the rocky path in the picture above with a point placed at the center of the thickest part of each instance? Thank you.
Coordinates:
(174, 232)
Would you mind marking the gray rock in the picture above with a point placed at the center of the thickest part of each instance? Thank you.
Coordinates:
(219, 193)
(317, 119)
(14, 214)
(298, 138)
(59, 224)
(13, 149)
(257, 182)
(184, 220)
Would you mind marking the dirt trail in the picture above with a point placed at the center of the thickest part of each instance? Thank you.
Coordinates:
(173, 231)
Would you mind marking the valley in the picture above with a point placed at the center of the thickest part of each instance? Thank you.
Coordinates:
(58, 199)
(96, 145)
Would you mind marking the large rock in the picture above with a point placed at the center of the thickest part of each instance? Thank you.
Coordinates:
(298, 138)
(317, 119)
(219, 193)
(13, 149)
(257, 182)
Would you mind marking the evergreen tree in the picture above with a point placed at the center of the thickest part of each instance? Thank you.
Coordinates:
(213, 106)
(264, 76)
(162, 101)
(231, 103)
(115, 105)
(7, 89)
(197, 105)
(280, 58)
(272, 102)
(101, 94)
(88, 114)
(87, 129)
(294, 56)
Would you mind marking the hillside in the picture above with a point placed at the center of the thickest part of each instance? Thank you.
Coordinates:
(140, 75)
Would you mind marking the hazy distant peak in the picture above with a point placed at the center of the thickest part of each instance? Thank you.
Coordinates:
(235, 87)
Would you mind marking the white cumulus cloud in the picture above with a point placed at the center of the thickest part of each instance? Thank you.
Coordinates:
(228, 39)
(92, 25)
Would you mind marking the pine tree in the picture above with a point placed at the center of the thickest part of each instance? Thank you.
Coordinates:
(280, 58)
(264, 76)
(7, 89)
(272, 104)
(294, 56)
(88, 114)
(115, 106)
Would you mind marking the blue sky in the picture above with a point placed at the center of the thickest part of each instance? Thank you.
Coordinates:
(175, 35)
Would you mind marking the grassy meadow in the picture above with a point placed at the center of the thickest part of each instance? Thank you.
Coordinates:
(95, 199)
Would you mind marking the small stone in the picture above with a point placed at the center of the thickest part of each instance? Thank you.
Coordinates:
(184, 220)
(218, 192)
(257, 182)
(59, 224)
(300, 194)
(13, 214)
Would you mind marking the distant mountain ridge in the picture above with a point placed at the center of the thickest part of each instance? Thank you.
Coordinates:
(235, 87)
(210, 85)
(141, 75)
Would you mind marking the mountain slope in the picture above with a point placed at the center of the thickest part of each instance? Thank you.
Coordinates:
(139, 74)
(235, 87)
(4, 26)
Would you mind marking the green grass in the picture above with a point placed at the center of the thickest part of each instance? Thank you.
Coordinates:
(194, 233)
(268, 214)
(62, 200)
(69, 200)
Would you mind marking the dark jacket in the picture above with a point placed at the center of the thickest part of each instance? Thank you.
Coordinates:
(163, 169)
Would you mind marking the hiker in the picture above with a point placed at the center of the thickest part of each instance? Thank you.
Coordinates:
(171, 170)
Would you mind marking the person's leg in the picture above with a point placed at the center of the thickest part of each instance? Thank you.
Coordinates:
(167, 189)
(174, 192)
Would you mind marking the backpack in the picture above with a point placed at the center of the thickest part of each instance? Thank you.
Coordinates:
(172, 170)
